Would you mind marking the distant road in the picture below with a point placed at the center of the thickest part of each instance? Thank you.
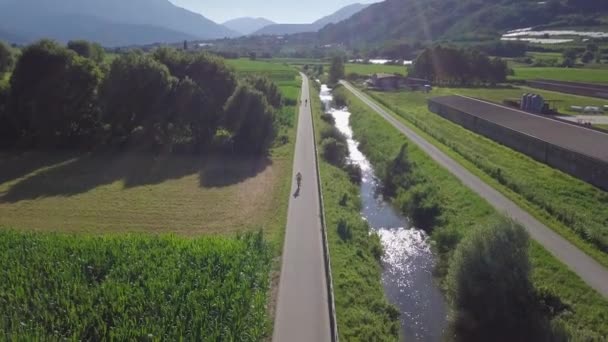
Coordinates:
(302, 309)
(589, 270)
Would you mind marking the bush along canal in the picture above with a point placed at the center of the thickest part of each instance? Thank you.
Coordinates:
(408, 261)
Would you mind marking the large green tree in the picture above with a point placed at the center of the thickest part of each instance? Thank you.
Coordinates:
(87, 49)
(336, 69)
(250, 119)
(205, 85)
(53, 97)
(490, 290)
(137, 93)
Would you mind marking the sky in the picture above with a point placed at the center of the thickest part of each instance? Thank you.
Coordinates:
(280, 11)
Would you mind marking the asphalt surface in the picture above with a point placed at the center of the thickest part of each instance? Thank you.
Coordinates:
(589, 270)
(570, 137)
(302, 308)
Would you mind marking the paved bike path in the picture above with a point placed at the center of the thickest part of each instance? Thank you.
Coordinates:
(589, 270)
(302, 308)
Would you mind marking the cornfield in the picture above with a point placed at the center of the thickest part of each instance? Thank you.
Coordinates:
(133, 287)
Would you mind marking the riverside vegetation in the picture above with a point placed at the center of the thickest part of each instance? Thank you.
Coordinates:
(453, 214)
(572, 207)
(363, 312)
(141, 142)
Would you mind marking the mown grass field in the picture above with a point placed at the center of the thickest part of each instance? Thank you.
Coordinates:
(572, 207)
(362, 310)
(129, 192)
(561, 74)
(137, 287)
(98, 283)
(585, 312)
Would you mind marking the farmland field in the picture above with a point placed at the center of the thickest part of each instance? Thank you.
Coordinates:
(103, 193)
(133, 287)
(127, 191)
(572, 207)
(584, 311)
(561, 74)
(500, 94)
(368, 69)
(76, 262)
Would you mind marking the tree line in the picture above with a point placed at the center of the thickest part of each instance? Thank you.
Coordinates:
(459, 67)
(69, 97)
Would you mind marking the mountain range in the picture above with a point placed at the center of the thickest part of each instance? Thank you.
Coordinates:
(466, 20)
(283, 29)
(109, 22)
(247, 25)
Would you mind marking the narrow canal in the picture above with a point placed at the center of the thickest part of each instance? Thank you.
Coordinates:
(408, 260)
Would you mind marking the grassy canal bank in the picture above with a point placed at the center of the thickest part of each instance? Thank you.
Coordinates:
(363, 312)
(577, 307)
(568, 205)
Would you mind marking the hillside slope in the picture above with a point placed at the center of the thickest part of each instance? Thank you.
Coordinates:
(429, 20)
(336, 17)
(247, 25)
(117, 21)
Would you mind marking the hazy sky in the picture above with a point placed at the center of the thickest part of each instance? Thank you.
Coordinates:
(281, 11)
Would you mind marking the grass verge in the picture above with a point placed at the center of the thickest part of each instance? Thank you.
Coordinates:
(568, 205)
(584, 311)
(363, 312)
(561, 74)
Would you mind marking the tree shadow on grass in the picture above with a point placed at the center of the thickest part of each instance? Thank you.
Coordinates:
(224, 171)
(17, 164)
(89, 171)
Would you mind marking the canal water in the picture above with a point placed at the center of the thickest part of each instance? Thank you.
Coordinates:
(408, 260)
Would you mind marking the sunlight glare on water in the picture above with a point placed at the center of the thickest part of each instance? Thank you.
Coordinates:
(408, 260)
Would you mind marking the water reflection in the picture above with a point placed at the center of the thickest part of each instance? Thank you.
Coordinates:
(408, 261)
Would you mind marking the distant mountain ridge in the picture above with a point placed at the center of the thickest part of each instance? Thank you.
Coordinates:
(430, 20)
(247, 25)
(338, 16)
(110, 22)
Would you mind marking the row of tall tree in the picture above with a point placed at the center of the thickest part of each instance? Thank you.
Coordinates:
(459, 67)
(69, 97)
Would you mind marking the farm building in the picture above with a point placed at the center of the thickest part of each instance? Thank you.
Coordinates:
(576, 88)
(393, 82)
(578, 151)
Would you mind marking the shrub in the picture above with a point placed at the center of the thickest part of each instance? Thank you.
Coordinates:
(344, 230)
(328, 118)
(334, 151)
(339, 100)
(398, 173)
(354, 172)
(422, 205)
(504, 307)
(334, 133)
(343, 200)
